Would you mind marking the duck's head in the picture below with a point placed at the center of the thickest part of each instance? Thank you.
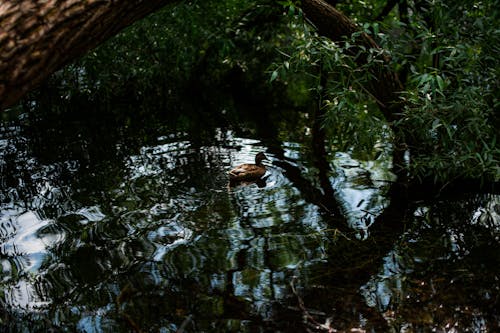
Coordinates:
(260, 157)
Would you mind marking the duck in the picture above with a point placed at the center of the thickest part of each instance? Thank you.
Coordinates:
(249, 172)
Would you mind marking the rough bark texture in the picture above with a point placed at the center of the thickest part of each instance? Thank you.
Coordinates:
(336, 26)
(37, 37)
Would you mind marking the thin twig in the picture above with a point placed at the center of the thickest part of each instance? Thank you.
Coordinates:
(184, 324)
(310, 319)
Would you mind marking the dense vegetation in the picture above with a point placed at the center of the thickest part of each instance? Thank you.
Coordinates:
(445, 53)
(116, 214)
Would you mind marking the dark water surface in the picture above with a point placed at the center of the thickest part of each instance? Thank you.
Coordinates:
(126, 226)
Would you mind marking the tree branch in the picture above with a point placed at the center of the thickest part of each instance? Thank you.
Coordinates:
(386, 10)
(39, 37)
(331, 23)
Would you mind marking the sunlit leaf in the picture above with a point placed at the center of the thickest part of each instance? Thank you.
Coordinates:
(274, 76)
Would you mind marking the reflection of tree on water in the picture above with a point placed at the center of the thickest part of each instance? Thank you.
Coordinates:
(354, 285)
(153, 238)
(261, 183)
(352, 264)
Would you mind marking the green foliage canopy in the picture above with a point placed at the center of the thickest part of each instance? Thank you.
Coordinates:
(444, 51)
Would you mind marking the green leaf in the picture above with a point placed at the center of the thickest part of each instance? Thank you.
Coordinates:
(274, 76)
(440, 82)
(435, 124)
(424, 78)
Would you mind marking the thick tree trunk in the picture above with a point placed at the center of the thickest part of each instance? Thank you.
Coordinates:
(37, 37)
(336, 26)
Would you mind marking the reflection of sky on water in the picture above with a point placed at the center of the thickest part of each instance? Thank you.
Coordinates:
(392, 286)
(27, 232)
(27, 240)
(360, 187)
(183, 224)
(489, 214)
(28, 237)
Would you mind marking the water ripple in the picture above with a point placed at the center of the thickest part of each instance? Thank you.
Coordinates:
(32, 238)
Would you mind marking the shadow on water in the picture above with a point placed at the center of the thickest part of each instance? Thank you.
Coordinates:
(123, 221)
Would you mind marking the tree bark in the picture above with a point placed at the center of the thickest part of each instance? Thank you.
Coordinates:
(385, 87)
(37, 37)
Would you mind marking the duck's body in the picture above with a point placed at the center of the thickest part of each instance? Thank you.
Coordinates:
(249, 172)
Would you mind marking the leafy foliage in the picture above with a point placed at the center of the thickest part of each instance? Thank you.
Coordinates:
(451, 89)
(152, 57)
(446, 54)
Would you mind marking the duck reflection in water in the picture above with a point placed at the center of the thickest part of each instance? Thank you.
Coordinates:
(246, 174)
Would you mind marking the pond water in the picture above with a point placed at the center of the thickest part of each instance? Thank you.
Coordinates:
(132, 226)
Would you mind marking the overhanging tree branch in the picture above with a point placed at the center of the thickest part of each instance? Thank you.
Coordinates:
(385, 86)
(333, 24)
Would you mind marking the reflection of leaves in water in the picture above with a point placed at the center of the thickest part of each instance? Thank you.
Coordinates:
(157, 219)
(442, 264)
